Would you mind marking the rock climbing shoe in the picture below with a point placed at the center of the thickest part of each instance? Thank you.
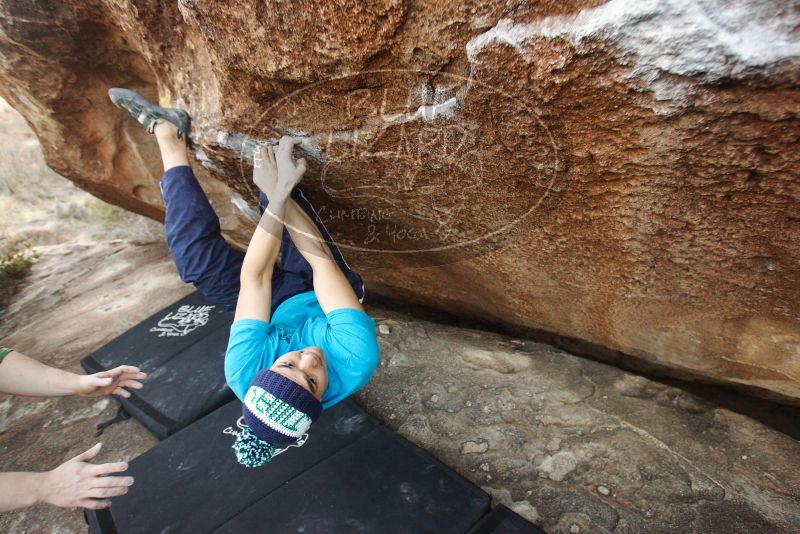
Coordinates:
(148, 113)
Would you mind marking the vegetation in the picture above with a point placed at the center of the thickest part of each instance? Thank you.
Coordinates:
(105, 213)
(16, 260)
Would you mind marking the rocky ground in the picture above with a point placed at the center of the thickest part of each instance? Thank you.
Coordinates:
(99, 271)
(575, 445)
(78, 298)
(39, 207)
(580, 446)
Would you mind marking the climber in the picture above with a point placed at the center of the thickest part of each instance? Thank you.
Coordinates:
(300, 341)
(76, 482)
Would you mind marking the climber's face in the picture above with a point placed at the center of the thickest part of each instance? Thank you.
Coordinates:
(306, 367)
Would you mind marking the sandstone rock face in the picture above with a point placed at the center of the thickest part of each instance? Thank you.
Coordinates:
(621, 173)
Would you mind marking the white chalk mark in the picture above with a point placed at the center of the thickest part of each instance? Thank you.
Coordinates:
(243, 206)
(711, 39)
(427, 113)
(308, 144)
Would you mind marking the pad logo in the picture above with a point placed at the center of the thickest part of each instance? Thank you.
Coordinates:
(182, 322)
(241, 425)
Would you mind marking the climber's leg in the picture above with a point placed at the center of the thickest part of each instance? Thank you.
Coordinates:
(173, 150)
(193, 233)
(299, 275)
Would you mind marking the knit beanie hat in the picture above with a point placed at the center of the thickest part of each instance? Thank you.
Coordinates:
(277, 412)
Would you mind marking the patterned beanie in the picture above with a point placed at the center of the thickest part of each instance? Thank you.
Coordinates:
(277, 412)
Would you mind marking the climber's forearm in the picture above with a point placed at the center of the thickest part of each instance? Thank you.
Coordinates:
(255, 292)
(266, 241)
(330, 285)
(306, 235)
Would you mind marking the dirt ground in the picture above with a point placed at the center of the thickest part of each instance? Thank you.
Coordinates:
(62, 223)
(41, 207)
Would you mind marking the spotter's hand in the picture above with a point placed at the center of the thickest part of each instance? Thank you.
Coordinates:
(80, 483)
(113, 381)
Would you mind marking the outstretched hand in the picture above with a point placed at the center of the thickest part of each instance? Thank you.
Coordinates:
(79, 483)
(276, 171)
(111, 382)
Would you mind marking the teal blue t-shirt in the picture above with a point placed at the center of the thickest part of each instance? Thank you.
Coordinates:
(346, 335)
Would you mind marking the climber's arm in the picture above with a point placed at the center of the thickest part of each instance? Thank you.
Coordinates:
(332, 288)
(255, 293)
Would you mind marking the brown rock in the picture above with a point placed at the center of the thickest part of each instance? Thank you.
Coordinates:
(622, 174)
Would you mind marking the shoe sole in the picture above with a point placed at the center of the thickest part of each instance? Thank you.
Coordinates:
(123, 98)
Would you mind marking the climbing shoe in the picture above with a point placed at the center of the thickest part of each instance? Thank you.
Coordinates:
(148, 113)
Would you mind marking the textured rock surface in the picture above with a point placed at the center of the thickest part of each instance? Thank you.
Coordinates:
(40, 207)
(622, 173)
(581, 446)
(567, 442)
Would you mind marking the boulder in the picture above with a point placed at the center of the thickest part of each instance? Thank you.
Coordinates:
(619, 175)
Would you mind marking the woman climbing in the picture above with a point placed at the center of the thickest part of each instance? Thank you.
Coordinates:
(300, 341)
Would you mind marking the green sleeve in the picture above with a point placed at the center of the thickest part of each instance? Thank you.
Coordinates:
(4, 352)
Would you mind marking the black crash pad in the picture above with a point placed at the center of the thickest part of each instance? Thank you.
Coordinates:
(381, 483)
(502, 520)
(351, 475)
(182, 348)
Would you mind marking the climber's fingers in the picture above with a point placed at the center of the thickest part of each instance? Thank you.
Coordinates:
(286, 145)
